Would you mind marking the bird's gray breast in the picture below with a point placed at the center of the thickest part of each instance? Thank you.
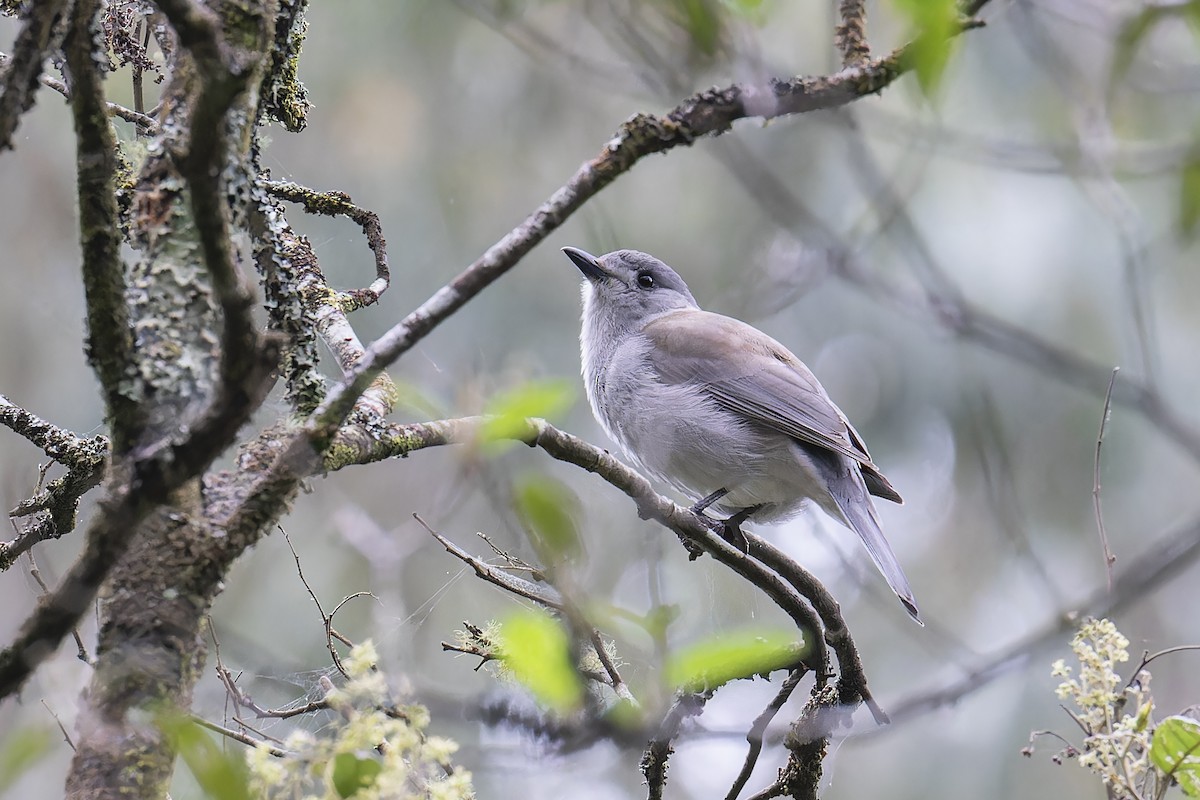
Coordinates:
(676, 431)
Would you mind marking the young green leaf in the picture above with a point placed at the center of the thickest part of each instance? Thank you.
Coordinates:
(1189, 197)
(1175, 749)
(221, 774)
(508, 410)
(548, 510)
(537, 651)
(19, 752)
(352, 774)
(931, 26)
(722, 658)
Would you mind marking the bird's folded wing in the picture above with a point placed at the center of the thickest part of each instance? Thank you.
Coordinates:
(751, 374)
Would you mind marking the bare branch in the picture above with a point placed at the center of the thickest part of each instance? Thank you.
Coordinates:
(238, 736)
(62, 728)
(544, 595)
(1147, 657)
(658, 751)
(1162, 561)
(81, 650)
(1109, 558)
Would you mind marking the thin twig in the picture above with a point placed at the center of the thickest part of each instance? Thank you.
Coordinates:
(145, 124)
(1147, 658)
(244, 738)
(1109, 558)
(80, 649)
(545, 595)
(326, 619)
(59, 723)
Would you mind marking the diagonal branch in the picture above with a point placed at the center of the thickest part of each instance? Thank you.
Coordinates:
(1163, 561)
(710, 112)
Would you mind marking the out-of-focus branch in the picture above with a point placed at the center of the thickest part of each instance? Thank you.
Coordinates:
(710, 112)
(658, 751)
(1161, 562)
(949, 309)
(145, 122)
(851, 35)
(19, 81)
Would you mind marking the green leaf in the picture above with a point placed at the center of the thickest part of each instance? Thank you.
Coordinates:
(221, 774)
(1189, 197)
(508, 411)
(626, 715)
(725, 657)
(537, 651)
(351, 773)
(702, 20)
(20, 752)
(745, 8)
(1175, 749)
(932, 25)
(548, 509)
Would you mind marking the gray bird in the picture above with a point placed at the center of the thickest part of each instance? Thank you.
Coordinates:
(720, 410)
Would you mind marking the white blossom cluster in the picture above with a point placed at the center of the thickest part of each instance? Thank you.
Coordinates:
(1114, 717)
(385, 756)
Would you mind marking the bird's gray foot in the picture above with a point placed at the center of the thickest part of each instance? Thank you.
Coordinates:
(703, 505)
(732, 528)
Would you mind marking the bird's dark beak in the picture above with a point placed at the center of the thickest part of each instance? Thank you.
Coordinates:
(588, 264)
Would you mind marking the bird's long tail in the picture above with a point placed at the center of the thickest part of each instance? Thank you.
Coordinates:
(849, 493)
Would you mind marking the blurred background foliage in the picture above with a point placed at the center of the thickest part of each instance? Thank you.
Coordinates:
(1049, 178)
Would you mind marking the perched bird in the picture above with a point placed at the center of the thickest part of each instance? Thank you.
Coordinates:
(720, 410)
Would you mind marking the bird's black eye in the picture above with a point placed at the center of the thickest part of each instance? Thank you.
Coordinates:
(645, 280)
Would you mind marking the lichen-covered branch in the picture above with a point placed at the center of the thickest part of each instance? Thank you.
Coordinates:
(284, 97)
(110, 334)
(54, 506)
(335, 204)
(303, 306)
